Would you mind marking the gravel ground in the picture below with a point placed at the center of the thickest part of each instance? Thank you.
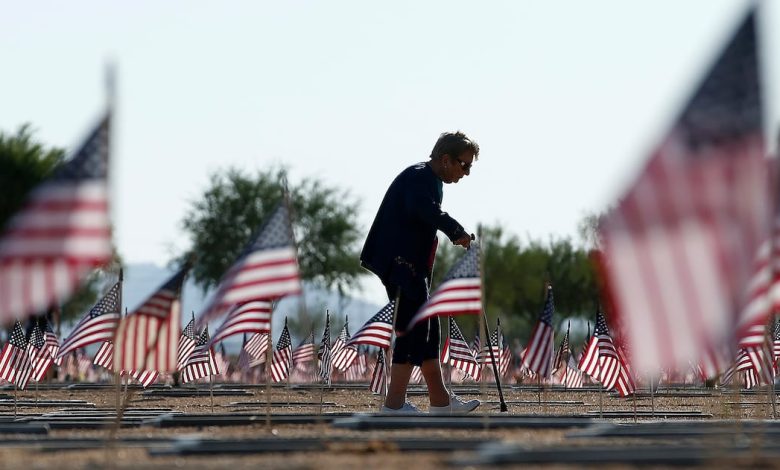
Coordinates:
(374, 455)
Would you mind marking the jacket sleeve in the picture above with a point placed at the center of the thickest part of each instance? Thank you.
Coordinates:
(422, 204)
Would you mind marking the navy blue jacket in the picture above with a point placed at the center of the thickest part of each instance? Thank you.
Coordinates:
(404, 229)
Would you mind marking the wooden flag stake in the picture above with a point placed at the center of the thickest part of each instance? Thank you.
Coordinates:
(269, 357)
(15, 403)
(211, 392)
(601, 400)
(652, 397)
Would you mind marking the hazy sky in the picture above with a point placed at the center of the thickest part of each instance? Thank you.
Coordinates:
(566, 98)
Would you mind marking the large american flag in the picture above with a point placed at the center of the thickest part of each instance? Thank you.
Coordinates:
(15, 366)
(457, 352)
(99, 324)
(187, 343)
(147, 339)
(39, 356)
(378, 330)
(61, 233)
(539, 352)
(249, 317)
(324, 353)
(678, 247)
(600, 359)
(202, 362)
(266, 270)
(459, 294)
(378, 383)
(282, 361)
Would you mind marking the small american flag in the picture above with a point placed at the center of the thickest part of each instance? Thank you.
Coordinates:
(99, 324)
(305, 351)
(325, 353)
(539, 352)
(266, 270)
(563, 351)
(485, 356)
(776, 341)
(456, 350)
(249, 317)
(202, 362)
(379, 377)
(506, 359)
(378, 331)
(625, 384)
(416, 376)
(61, 233)
(282, 361)
(147, 339)
(144, 377)
(678, 248)
(600, 359)
(105, 355)
(39, 356)
(14, 362)
(343, 353)
(255, 349)
(187, 344)
(459, 294)
(52, 342)
(573, 376)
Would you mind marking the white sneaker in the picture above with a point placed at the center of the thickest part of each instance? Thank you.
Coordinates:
(407, 409)
(456, 407)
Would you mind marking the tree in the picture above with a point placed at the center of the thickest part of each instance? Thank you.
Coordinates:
(232, 208)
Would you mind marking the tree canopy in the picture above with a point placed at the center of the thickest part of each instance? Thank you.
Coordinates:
(222, 220)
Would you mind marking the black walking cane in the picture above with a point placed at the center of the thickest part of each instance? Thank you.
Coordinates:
(503, 406)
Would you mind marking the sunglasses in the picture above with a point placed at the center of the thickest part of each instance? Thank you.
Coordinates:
(466, 167)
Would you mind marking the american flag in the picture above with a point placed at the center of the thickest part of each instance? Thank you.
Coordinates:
(99, 324)
(52, 342)
(325, 353)
(282, 361)
(563, 351)
(147, 339)
(105, 355)
(539, 352)
(249, 317)
(144, 377)
(305, 351)
(14, 362)
(485, 357)
(266, 270)
(61, 233)
(776, 341)
(39, 356)
(625, 384)
(378, 331)
(186, 345)
(416, 376)
(255, 350)
(343, 353)
(459, 294)
(456, 351)
(751, 378)
(600, 359)
(573, 376)
(678, 248)
(379, 377)
(202, 362)
(506, 359)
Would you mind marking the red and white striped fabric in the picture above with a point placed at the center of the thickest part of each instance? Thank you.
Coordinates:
(572, 378)
(305, 352)
(256, 349)
(378, 330)
(266, 270)
(39, 356)
(416, 376)
(15, 366)
(202, 362)
(61, 233)
(539, 351)
(505, 362)
(52, 344)
(105, 355)
(249, 317)
(186, 346)
(144, 377)
(459, 294)
(147, 339)
(678, 248)
(625, 383)
(600, 358)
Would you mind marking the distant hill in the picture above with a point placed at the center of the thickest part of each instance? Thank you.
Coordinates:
(142, 279)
